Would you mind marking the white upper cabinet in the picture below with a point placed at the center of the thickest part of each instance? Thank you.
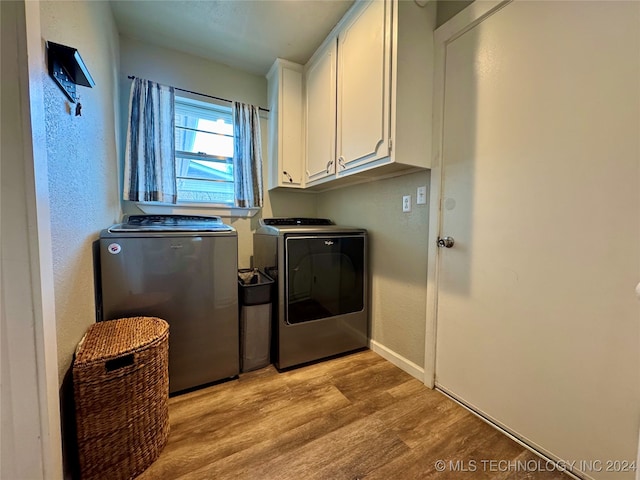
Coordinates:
(365, 98)
(285, 125)
(363, 86)
(320, 108)
(383, 94)
(412, 64)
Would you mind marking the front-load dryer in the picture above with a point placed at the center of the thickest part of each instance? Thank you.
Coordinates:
(320, 304)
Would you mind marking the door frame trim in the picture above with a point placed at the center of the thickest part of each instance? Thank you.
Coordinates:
(458, 25)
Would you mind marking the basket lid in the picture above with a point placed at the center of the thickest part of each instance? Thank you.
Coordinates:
(113, 338)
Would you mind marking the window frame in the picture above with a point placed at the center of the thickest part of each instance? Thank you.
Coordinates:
(199, 208)
(212, 112)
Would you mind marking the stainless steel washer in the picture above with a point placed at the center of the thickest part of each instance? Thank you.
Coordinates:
(320, 303)
(182, 269)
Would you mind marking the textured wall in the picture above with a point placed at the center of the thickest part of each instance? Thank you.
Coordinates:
(204, 76)
(82, 161)
(397, 256)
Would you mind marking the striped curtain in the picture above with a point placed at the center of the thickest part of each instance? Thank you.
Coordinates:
(149, 163)
(247, 156)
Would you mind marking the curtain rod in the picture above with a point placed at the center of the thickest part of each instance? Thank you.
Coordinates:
(131, 77)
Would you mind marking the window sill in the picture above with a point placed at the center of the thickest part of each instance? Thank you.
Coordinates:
(156, 208)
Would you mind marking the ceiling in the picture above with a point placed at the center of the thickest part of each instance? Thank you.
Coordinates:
(245, 34)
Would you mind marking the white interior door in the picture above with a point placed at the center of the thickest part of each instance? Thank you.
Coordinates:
(538, 325)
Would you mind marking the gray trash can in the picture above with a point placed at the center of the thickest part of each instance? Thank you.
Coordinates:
(254, 294)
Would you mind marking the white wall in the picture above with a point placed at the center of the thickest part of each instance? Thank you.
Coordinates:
(397, 259)
(171, 67)
(82, 161)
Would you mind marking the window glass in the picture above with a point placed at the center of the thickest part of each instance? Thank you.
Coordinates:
(204, 152)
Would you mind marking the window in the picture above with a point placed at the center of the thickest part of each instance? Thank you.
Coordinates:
(204, 152)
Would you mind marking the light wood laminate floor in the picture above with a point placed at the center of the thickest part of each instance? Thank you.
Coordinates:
(353, 417)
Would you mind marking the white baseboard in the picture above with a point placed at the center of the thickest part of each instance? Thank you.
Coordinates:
(398, 360)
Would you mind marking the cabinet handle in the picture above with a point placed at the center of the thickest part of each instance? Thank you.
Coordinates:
(288, 177)
(329, 165)
(341, 162)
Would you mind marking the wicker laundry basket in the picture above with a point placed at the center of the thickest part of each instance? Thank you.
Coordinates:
(121, 390)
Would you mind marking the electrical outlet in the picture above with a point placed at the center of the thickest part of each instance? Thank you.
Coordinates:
(406, 203)
(421, 195)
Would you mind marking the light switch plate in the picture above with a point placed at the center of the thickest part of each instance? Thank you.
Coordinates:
(406, 203)
(421, 195)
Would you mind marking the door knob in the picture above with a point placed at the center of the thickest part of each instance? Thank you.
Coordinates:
(446, 242)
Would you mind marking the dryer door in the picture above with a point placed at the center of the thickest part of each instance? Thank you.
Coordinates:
(325, 276)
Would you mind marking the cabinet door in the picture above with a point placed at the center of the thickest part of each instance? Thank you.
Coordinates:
(284, 89)
(363, 118)
(320, 84)
(290, 124)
